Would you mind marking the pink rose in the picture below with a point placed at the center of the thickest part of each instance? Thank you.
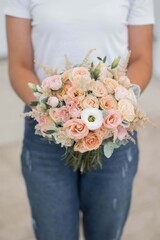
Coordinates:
(112, 119)
(72, 93)
(110, 85)
(92, 141)
(45, 123)
(53, 82)
(120, 92)
(108, 102)
(98, 88)
(63, 113)
(122, 132)
(53, 101)
(76, 129)
(73, 109)
(90, 102)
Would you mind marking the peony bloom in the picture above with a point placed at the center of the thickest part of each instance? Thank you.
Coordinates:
(92, 141)
(53, 82)
(76, 129)
(98, 88)
(92, 117)
(126, 108)
(120, 92)
(53, 101)
(113, 119)
(90, 101)
(110, 85)
(108, 102)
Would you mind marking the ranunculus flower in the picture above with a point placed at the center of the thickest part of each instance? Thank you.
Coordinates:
(76, 128)
(98, 88)
(110, 85)
(92, 117)
(53, 113)
(108, 102)
(112, 119)
(90, 101)
(120, 92)
(92, 141)
(127, 109)
(53, 101)
(53, 82)
(80, 78)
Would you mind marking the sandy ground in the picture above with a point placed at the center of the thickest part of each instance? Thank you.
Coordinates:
(144, 219)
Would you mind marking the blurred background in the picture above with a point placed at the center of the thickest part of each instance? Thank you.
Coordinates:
(144, 219)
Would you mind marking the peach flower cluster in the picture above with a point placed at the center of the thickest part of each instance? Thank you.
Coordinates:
(86, 106)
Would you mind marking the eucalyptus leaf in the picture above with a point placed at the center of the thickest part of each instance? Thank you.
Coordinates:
(49, 132)
(136, 89)
(104, 59)
(108, 149)
(99, 58)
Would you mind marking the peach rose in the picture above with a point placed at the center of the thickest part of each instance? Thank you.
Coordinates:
(92, 141)
(104, 132)
(45, 123)
(72, 93)
(126, 108)
(62, 93)
(112, 119)
(54, 115)
(110, 85)
(98, 88)
(76, 129)
(73, 109)
(108, 102)
(79, 147)
(90, 102)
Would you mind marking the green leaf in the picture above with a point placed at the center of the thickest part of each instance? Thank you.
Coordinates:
(108, 149)
(33, 104)
(115, 62)
(97, 71)
(99, 58)
(104, 59)
(50, 132)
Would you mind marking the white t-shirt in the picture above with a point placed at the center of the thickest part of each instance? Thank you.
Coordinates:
(73, 27)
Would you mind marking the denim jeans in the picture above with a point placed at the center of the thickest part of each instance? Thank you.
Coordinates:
(57, 194)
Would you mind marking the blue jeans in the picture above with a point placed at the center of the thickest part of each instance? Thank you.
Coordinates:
(56, 193)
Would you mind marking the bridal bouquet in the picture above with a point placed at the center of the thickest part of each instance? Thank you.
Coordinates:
(89, 109)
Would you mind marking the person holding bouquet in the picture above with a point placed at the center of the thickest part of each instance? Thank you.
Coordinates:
(44, 31)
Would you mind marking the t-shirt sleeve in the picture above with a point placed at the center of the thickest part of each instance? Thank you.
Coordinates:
(18, 8)
(141, 12)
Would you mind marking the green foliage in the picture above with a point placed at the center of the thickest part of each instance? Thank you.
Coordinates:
(115, 63)
(33, 104)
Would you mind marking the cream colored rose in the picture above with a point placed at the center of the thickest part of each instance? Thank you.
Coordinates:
(131, 96)
(110, 85)
(124, 81)
(126, 108)
(80, 78)
(90, 101)
(108, 102)
(98, 88)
